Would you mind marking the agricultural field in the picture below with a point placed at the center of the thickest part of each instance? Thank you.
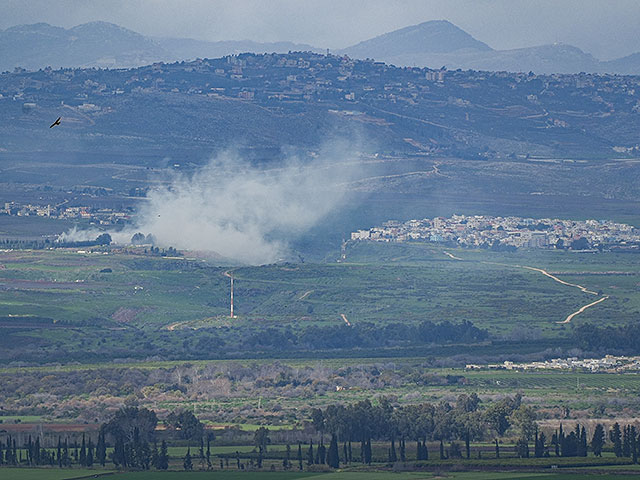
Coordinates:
(376, 283)
(52, 474)
(97, 330)
(244, 395)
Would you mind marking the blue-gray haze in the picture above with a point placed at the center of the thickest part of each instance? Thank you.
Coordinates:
(606, 29)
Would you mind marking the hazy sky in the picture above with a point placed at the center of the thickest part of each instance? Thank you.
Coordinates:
(606, 28)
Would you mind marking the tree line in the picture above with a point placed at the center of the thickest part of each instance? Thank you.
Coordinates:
(463, 422)
(618, 338)
(367, 335)
(86, 454)
(128, 439)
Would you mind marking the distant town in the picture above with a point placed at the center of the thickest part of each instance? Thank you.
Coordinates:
(507, 232)
(330, 88)
(99, 216)
(609, 363)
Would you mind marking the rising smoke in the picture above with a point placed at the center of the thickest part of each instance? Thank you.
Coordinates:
(239, 211)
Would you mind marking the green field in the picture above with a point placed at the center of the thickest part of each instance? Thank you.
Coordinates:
(53, 474)
(377, 283)
(140, 328)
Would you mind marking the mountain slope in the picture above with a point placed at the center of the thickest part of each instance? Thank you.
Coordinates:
(92, 44)
(629, 65)
(544, 59)
(440, 43)
(430, 44)
(436, 36)
(102, 44)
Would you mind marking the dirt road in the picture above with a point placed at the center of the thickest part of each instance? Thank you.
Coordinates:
(554, 278)
(305, 294)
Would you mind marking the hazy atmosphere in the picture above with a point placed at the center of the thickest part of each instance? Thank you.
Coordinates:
(607, 29)
(289, 239)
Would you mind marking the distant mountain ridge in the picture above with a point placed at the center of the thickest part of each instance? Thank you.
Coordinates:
(433, 44)
(103, 44)
(436, 36)
(438, 43)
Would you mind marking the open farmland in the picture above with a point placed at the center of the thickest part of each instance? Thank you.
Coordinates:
(166, 322)
(51, 474)
(118, 298)
(281, 393)
(376, 283)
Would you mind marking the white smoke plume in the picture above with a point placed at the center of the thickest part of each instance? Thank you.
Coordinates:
(239, 211)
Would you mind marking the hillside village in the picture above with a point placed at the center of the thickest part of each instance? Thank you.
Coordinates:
(516, 232)
(472, 114)
(97, 215)
(608, 363)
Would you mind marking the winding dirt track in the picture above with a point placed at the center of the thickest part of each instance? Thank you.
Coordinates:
(305, 294)
(568, 319)
(544, 272)
(553, 277)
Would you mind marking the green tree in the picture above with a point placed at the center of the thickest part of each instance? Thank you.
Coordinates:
(89, 458)
(310, 453)
(155, 453)
(186, 424)
(187, 463)
(542, 445)
(626, 442)
(138, 238)
(580, 244)
(83, 452)
(497, 416)
(537, 450)
(101, 448)
(321, 453)
(367, 452)
(318, 420)
(286, 463)
(333, 457)
(522, 448)
(597, 441)
(467, 444)
(393, 457)
(523, 420)
(261, 439)
(163, 457)
(209, 451)
(128, 419)
(615, 435)
(201, 453)
(582, 446)
(104, 239)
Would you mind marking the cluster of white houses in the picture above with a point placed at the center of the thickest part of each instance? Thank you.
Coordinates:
(609, 363)
(102, 216)
(484, 230)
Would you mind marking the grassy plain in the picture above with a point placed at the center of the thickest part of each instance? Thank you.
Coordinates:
(66, 304)
(585, 395)
(53, 474)
(376, 283)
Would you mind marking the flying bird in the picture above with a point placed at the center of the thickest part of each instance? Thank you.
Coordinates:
(57, 122)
